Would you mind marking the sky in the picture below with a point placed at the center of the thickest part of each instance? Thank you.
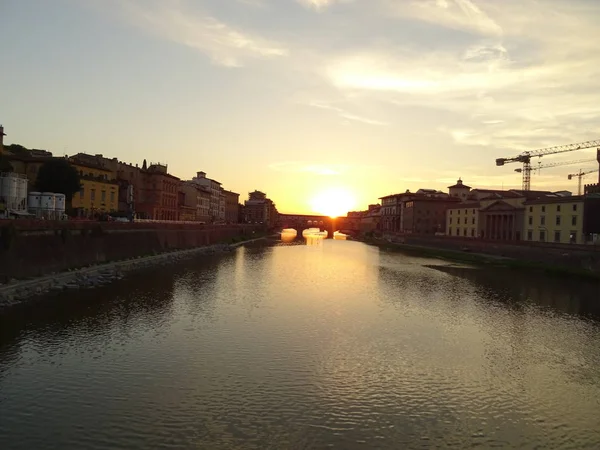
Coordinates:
(300, 97)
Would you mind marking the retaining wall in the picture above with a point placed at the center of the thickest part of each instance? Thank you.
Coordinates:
(584, 257)
(37, 248)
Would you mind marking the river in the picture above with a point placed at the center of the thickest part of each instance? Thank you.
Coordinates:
(341, 345)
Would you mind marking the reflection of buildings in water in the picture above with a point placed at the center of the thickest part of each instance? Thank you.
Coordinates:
(110, 311)
(570, 295)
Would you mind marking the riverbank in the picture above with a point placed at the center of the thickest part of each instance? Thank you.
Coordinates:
(487, 259)
(17, 291)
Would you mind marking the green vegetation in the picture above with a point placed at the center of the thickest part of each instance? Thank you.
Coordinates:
(57, 175)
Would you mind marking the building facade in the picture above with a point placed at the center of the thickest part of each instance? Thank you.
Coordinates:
(232, 200)
(99, 192)
(558, 220)
(462, 219)
(423, 214)
(159, 194)
(260, 209)
(217, 199)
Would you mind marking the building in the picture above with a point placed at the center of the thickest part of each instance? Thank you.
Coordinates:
(217, 199)
(426, 214)
(26, 162)
(187, 202)
(99, 192)
(260, 209)
(158, 199)
(232, 200)
(370, 221)
(462, 219)
(555, 219)
(194, 202)
(391, 213)
(459, 190)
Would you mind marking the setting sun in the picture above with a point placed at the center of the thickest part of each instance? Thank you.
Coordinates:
(333, 202)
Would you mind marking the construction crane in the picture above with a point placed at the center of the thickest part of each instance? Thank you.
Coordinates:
(580, 175)
(525, 157)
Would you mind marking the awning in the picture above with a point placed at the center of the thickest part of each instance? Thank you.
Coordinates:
(20, 213)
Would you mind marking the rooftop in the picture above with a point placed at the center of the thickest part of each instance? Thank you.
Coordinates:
(459, 184)
(552, 200)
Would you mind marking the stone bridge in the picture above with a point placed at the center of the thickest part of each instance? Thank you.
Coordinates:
(301, 222)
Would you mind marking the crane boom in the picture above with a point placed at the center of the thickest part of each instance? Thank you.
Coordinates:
(565, 163)
(525, 157)
(580, 175)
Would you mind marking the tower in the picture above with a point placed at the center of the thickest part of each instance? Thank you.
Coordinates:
(2, 140)
(598, 159)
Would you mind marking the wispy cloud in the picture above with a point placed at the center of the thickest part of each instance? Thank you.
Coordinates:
(508, 83)
(457, 14)
(347, 115)
(224, 44)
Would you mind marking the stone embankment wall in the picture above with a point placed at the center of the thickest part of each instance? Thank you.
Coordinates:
(576, 257)
(36, 248)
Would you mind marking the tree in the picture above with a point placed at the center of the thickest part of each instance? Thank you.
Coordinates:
(58, 176)
(5, 165)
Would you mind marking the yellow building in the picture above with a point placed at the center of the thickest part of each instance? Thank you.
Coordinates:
(99, 190)
(558, 219)
(462, 220)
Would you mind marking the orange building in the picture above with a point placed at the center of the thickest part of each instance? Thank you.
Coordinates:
(158, 199)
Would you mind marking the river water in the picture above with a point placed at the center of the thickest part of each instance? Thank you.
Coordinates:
(341, 345)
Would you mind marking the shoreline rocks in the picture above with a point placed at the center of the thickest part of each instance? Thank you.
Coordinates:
(17, 291)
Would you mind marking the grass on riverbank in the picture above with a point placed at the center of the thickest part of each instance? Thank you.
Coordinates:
(485, 259)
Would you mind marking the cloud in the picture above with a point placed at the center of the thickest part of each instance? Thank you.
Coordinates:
(456, 14)
(347, 115)
(223, 44)
(299, 167)
(317, 5)
(506, 82)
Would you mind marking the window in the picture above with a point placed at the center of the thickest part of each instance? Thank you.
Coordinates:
(450, 212)
(474, 211)
(557, 208)
(557, 220)
(543, 220)
(458, 212)
(531, 209)
(112, 196)
(81, 193)
(574, 220)
(542, 236)
(466, 220)
(473, 220)
(103, 196)
(529, 235)
(466, 211)
(93, 194)
(543, 209)
(530, 220)
(465, 232)
(575, 207)
(450, 220)
(557, 236)
(472, 232)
